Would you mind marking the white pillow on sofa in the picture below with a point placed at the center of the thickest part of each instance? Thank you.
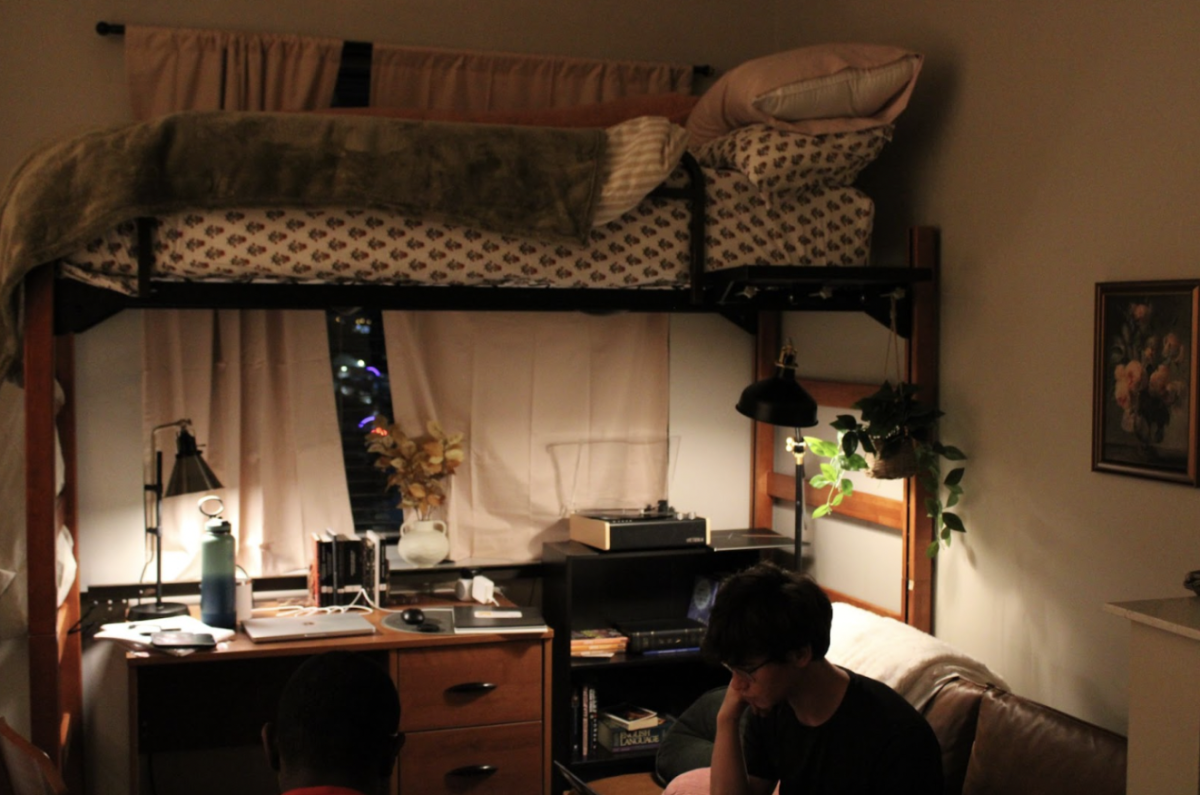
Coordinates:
(819, 89)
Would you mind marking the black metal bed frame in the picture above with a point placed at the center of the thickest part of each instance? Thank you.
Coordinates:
(737, 293)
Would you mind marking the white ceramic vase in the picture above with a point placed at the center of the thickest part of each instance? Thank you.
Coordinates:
(424, 542)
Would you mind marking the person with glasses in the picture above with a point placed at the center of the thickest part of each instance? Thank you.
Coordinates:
(813, 727)
(336, 729)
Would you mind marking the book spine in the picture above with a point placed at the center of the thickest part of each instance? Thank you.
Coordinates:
(585, 705)
(351, 548)
(335, 578)
(576, 727)
(375, 568)
(665, 639)
(591, 643)
(597, 646)
(321, 572)
(593, 721)
(617, 739)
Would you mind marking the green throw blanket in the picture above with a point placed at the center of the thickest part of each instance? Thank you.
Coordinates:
(526, 181)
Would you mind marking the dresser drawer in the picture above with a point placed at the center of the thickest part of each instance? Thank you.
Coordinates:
(454, 686)
(487, 760)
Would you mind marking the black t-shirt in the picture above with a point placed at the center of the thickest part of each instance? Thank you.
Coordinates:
(875, 744)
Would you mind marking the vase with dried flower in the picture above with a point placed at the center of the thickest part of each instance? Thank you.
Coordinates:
(418, 468)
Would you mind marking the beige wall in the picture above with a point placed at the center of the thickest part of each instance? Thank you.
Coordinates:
(1052, 145)
(1050, 142)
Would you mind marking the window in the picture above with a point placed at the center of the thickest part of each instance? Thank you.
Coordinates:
(362, 393)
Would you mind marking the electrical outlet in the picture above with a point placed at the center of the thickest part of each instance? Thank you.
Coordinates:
(104, 611)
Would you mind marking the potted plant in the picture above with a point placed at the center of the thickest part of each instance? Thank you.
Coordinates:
(897, 431)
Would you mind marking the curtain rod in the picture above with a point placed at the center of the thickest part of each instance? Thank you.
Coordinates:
(117, 29)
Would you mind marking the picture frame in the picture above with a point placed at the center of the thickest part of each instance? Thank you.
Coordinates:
(1144, 405)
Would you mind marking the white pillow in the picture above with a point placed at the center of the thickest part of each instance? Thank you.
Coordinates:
(850, 92)
(812, 90)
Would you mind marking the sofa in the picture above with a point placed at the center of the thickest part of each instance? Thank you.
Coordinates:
(994, 742)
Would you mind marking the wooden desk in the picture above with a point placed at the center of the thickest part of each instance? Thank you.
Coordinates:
(489, 741)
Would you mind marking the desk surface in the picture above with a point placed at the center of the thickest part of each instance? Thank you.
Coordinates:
(1180, 615)
(241, 647)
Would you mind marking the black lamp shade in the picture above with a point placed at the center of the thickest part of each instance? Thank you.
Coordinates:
(780, 400)
(191, 473)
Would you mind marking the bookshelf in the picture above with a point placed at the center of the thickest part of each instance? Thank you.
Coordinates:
(586, 588)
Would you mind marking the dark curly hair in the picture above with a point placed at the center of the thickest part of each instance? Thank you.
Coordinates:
(764, 613)
(338, 711)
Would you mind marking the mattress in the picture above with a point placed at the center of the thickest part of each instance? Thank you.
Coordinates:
(647, 246)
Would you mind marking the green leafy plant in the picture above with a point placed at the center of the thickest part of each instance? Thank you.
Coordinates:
(897, 431)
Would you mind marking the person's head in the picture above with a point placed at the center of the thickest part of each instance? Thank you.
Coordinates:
(767, 614)
(336, 724)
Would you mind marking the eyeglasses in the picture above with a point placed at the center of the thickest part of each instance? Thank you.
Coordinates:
(746, 672)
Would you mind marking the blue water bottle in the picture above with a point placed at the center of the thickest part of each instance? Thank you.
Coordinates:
(218, 604)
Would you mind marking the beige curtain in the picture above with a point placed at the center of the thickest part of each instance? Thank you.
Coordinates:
(428, 78)
(257, 386)
(180, 69)
(561, 412)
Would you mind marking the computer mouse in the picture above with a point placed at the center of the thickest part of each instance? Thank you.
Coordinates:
(412, 615)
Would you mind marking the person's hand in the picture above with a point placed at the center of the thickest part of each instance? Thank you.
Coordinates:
(733, 704)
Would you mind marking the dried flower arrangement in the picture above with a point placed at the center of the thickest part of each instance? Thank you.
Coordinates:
(417, 467)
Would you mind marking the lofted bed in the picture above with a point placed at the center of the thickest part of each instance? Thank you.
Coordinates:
(746, 222)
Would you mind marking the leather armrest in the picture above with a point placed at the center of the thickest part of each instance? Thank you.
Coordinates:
(953, 713)
(1025, 747)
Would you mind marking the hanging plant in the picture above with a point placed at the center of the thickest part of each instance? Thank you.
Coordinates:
(896, 430)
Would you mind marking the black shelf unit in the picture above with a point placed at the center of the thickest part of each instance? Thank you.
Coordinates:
(585, 588)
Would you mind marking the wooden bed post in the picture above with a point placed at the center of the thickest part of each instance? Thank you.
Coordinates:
(921, 369)
(55, 664)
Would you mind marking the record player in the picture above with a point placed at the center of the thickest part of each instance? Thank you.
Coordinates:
(653, 527)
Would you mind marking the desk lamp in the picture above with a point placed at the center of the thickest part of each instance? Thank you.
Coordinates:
(191, 474)
(780, 400)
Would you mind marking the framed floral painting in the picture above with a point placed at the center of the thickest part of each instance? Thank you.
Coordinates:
(1144, 411)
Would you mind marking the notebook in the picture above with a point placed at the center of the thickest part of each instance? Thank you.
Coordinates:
(481, 619)
(321, 625)
(578, 785)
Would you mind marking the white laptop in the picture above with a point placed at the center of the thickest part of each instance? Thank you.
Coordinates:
(320, 625)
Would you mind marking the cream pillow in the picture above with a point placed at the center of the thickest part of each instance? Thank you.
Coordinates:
(813, 90)
(641, 153)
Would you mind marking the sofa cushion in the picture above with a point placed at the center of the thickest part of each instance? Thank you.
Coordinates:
(627, 784)
(1026, 747)
(953, 712)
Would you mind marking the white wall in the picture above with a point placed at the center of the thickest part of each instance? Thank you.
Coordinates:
(1051, 143)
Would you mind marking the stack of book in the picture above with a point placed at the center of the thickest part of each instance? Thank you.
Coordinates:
(344, 564)
(626, 728)
(602, 642)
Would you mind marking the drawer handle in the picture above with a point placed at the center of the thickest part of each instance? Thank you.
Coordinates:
(472, 687)
(474, 770)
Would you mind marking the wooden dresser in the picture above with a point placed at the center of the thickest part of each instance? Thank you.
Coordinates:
(475, 717)
(475, 708)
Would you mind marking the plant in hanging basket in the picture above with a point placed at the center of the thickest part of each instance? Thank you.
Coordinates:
(897, 431)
